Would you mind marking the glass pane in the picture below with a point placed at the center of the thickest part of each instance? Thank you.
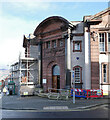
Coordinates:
(54, 43)
(77, 46)
(102, 35)
(77, 74)
(61, 43)
(109, 47)
(101, 46)
(56, 70)
(109, 37)
(102, 41)
(105, 72)
(104, 79)
(48, 44)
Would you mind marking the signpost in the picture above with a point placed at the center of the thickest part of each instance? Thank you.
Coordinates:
(72, 72)
(73, 87)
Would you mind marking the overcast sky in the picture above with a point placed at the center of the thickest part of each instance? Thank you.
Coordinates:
(19, 18)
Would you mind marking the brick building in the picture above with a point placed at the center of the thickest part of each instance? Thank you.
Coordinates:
(81, 46)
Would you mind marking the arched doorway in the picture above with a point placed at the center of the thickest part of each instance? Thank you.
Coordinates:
(56, 77)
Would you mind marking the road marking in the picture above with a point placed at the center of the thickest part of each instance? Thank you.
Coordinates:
(56, 108)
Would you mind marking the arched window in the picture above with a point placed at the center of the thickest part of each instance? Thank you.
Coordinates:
(56, 70)
(78, 74)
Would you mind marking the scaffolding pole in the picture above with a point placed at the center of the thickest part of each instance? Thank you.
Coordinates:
(19, 74)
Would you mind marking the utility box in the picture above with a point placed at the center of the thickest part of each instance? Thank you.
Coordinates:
(11, 88)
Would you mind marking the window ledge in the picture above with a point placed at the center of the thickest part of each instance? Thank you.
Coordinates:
(77, 50)
(78, 83)
(105, 83)
(103, 52)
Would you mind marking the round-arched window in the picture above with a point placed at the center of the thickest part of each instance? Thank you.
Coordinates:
(56, 70)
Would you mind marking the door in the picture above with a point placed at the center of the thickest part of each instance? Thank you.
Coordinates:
(56, 78)
(54, 82)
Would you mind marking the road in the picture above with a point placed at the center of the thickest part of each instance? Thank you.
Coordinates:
(97, 112)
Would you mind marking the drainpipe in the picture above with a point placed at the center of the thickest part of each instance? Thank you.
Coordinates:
(40, 64)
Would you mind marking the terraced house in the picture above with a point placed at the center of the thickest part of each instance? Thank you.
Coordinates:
(81, 46)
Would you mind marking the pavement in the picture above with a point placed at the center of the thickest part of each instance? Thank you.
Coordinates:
(43, 104)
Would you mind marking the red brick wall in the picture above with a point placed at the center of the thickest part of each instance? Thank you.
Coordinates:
(52, 56)
(94, 63)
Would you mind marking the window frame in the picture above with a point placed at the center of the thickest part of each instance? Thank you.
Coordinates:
(47, 45)
(61, 43)
(108, 41)
(104, 73)
(80, 43)
(103, 42)
(107, 73)
(80, 81)
(54, 45)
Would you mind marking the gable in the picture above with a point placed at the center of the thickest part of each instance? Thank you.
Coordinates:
(51, 24)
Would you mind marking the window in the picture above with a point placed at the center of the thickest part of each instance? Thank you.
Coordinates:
(102, 42)
(109, 37)
(61, 43)
(77, 46)
(56, 70)
(48, 44)
(104, 72)
(78, 74)
(109, 42)
(54, 44)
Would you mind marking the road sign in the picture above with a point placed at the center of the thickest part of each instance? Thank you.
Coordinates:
(99, 92)
(44, 81)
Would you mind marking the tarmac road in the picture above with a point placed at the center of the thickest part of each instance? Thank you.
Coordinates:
(95, 112)
(40, 108)
(38, 103)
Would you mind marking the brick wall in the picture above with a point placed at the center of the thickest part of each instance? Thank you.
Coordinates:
(94, 63)
(49, 31)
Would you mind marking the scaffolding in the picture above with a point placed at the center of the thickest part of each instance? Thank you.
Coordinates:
(27, 72)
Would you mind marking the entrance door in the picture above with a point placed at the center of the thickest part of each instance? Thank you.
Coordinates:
(54, 81)
(56, 77)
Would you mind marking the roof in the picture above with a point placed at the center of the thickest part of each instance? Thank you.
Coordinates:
(97, 18)
(98, 15)
(53, 18)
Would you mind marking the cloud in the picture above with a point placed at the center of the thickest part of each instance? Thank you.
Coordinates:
(25, 10)
(30, 5)
(25, 6)
(14, 26)
(11, 38)
(54, 1)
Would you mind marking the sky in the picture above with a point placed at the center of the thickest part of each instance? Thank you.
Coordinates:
(18, 18)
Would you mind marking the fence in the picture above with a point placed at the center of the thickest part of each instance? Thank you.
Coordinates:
(89, 93)
(58, 93)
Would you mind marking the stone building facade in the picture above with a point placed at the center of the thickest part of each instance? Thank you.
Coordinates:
(79, 46)
(100, 50)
